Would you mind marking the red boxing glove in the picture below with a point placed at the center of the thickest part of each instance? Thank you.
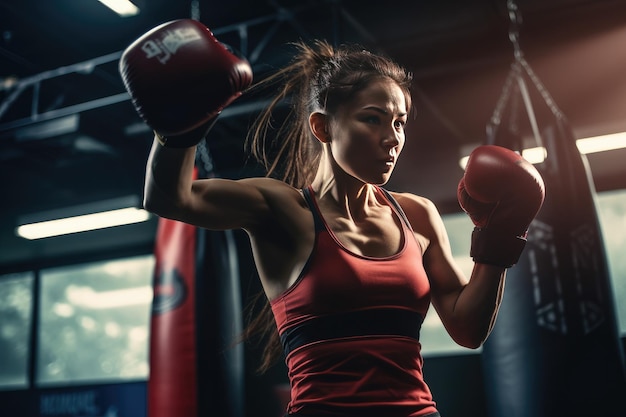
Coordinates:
(502, 193)
(180, 78)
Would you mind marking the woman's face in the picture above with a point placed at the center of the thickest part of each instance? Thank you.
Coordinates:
(367, 133)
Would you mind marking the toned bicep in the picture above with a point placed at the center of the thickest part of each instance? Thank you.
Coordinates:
(221, 204)
(217, 204)
(171, 191)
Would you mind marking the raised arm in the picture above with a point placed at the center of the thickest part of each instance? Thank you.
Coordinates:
(218, 204)
(502, 193)
(467, 307)
(180, 78)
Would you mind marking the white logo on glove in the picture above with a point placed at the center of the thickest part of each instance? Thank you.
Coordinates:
(167, 46)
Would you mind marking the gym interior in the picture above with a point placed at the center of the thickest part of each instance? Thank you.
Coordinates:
(79, 309)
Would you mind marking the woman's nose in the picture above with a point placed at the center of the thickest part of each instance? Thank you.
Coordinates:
(390, 138)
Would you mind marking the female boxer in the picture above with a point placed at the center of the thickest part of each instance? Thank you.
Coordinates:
(348, 268)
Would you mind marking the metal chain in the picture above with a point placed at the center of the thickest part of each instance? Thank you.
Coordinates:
(515, 22)
(518, 67)
(496, 117)
(194, 10)
(543, 91)
(515, 19)
(203, 156)
(513, 123)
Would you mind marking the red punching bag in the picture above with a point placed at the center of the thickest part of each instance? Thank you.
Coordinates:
(194, 368)
(555, 349)
(172, 383)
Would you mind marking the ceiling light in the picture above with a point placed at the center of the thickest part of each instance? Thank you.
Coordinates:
(585, 146)
(535, 155)
(82, 223)
(100, 215)
(122, 7)
(602, 143)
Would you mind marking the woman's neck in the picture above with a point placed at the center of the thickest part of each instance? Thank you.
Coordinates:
(342, 192)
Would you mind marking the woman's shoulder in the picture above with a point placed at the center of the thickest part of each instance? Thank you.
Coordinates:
(413, 203)
(271, 187)
(421, 212)
(278, 195)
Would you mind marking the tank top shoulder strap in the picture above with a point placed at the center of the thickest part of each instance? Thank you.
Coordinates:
(307, 192)
(397, 206)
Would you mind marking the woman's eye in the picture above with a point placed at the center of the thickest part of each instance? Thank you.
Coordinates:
(400, 124)
(372, 119)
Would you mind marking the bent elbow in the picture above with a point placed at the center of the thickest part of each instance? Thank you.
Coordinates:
(161, 207)
(150, 204)
(470, 341)
(471, 344)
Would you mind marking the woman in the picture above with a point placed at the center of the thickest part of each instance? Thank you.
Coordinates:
(348, 269)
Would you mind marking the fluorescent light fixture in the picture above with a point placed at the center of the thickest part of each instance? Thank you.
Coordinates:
(82, 223)
(535, 155)
(602, 143)
(122, 7)
(99, 215)
(585, 146)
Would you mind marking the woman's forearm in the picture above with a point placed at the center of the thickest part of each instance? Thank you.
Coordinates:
(169, 175)
(477, 305)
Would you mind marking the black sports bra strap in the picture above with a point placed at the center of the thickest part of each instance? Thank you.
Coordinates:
(317, 219)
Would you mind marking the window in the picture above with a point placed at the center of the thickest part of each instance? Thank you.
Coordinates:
(16, 294)
(94, 322)
(433, 336)
(612, 215)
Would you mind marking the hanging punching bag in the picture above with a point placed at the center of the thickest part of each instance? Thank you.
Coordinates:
(221, 379)
(194, 368)
(221, 362)
(555, 348)
(172, 387)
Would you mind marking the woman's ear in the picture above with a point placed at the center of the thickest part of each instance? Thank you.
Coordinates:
(319, 126)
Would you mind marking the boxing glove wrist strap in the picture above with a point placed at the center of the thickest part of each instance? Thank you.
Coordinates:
(160, 138)
(494, 248)
(180, 141)
(188, 139)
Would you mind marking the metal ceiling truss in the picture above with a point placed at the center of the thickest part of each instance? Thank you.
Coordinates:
(16, 89)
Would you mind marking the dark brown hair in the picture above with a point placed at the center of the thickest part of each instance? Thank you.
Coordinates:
(319, 78)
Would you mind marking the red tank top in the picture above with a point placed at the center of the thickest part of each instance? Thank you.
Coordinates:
(350, 328)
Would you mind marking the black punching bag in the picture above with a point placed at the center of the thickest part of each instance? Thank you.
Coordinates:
(555, 349)
(221, 372)
(221, 381)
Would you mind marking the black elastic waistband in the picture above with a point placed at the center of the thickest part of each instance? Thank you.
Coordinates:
(374, 322)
